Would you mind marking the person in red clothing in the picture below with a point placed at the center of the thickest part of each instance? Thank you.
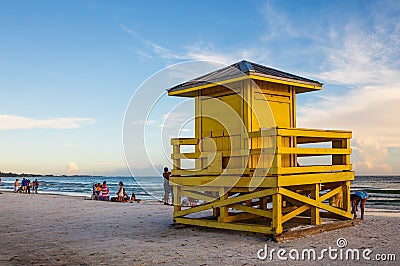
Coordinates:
(104, 192)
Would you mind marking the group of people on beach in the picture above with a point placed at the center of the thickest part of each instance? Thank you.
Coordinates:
(102, 192)
(26, 186)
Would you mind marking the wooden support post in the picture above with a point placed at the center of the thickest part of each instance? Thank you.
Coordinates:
(177, 201)
(215, 210)
(277, 213)
(346, 196)
(315, 217)
(223, 210)
(263, 203)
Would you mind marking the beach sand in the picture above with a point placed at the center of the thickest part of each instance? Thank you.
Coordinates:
(60, 230)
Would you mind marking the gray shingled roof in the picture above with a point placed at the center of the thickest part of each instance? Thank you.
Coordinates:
(245, 67)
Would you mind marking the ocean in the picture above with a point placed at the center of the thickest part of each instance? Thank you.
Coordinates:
(147, 188)
(383, 191)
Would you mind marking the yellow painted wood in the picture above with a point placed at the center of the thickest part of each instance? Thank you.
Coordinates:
(314, 178)
(282, 81)
(222, 82)
(346, 196)
(315, 218)
(225, 202)
(177, 200)
(222, 181)
(240, 217)
(314, 203)
(309, 169)
(317, 133)
(246, 142)
(277, 214)
(223, 210)
(330, 194)
(184, 141)
(177, 163)
(230, 226)
(312, 151)
(295, 212)
(252, 210)
(197, 195)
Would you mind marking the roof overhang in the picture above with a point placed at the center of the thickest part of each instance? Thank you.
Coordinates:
(189, 91)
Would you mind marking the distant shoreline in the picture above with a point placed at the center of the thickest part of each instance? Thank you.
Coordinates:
(36, 175)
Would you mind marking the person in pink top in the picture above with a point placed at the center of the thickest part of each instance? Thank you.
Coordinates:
(104, 192)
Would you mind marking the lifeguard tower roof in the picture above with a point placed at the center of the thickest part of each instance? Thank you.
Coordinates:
(240, 71)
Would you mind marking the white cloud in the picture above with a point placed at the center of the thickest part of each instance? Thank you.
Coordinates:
(367, 62)
(198, 51)
(371, 158)
(145, 122)
(8, 122)
(155, 48)
(365, 58)
(176, 120)
(72, 168)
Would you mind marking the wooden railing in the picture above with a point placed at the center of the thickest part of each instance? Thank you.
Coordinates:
(273, 151)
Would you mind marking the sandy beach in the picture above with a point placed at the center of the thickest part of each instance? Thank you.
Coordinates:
(61, 230)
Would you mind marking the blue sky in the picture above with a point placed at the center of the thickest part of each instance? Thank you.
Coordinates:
(69, 69)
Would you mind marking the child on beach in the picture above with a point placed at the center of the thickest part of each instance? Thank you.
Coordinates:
(16, 185)
(133, 198)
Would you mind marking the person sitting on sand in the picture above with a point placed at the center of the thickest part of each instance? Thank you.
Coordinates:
(104, 192)
(98, 186)
(359, 197)
(133, 198)
(125, 197)
(120, 192)
(94, 192)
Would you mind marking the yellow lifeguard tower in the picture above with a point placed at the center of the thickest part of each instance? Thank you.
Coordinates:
(248, 172)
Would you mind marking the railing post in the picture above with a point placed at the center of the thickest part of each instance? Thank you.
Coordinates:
(176, 150)
(340, 159)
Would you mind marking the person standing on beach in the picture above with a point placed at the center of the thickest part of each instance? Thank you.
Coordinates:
(104, 191)
(167, 187)
(359, 197)
(16, 185)
(35, 185)
(23, 187)
(28, 186)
